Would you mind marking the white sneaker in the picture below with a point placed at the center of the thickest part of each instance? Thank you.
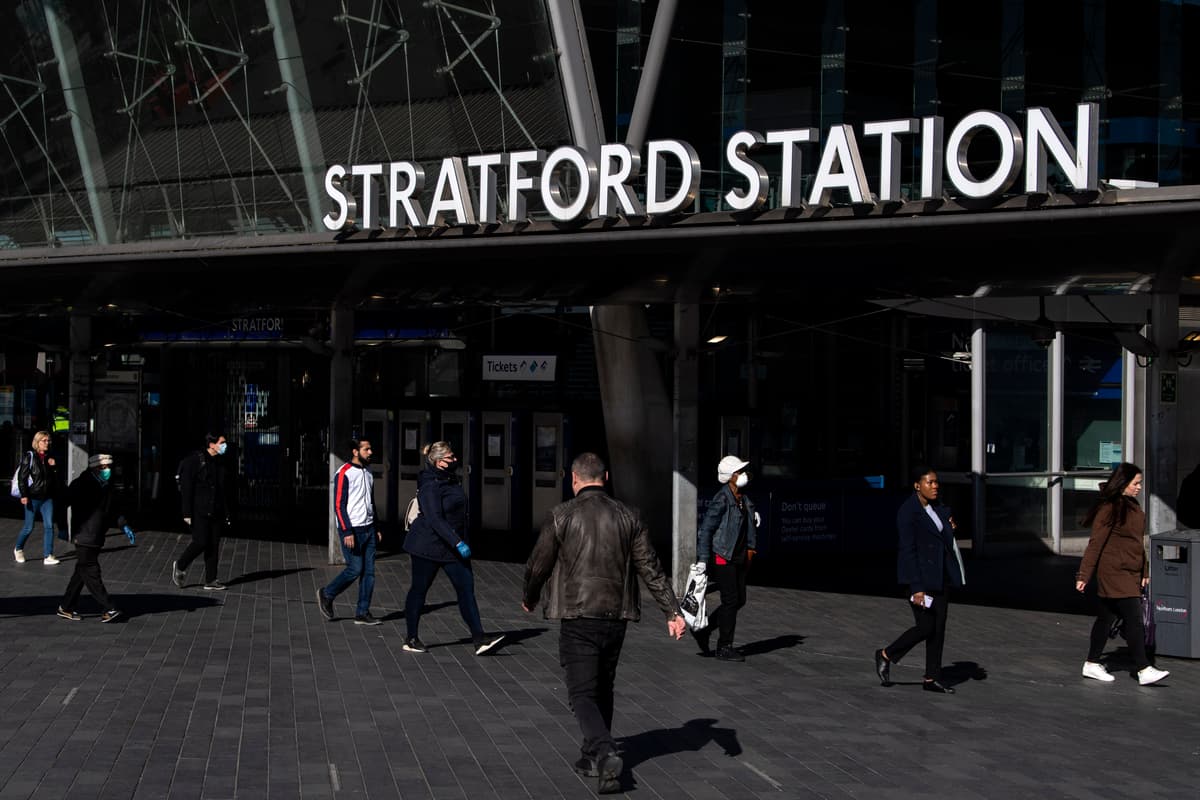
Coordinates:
(1151, 675)
(1092, 669)
(50, 560)
(19, 555)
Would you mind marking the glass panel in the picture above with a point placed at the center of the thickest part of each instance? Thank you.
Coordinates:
(1016, 401)
(452, 432)
(545, 454)
(373, 432)
(493, 446)
(1079, 495)
(1016, 508)
(1092, 404)
(410, 444)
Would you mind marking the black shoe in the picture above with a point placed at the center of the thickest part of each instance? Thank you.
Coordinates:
(609, 767)
(883, 668)
(214, 586)
(587, 767)
(325, 604)
(366, 619)
(729, 654)
(487, 641)
(415, 645)
(936, 686)
(703, 638)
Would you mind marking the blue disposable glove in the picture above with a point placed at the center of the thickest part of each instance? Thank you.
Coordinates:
(463, 549)
(129, 533)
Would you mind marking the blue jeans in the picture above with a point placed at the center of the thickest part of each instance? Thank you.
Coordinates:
(461, 577)
(32, 507)
(360, 563)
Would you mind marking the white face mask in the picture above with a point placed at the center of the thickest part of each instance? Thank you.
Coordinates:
(742, 480)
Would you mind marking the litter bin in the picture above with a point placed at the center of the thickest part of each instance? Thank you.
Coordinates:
(1174, 581)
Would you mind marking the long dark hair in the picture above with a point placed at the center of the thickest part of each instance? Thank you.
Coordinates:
(1112, 494)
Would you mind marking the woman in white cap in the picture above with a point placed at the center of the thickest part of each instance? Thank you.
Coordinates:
(729, 536)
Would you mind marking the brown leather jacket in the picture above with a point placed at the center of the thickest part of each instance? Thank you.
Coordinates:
(588, 556)
(1116, 552)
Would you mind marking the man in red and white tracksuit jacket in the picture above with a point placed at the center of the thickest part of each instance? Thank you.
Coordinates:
(354, 508)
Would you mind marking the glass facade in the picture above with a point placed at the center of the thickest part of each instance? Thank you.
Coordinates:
(763, 66)
(127, 121)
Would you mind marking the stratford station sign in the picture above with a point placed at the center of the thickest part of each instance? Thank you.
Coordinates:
(574, 185)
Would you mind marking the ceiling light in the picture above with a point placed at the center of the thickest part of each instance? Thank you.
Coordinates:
(720, 337)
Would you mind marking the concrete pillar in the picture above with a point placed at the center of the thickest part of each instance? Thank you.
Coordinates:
(685, 427)
(1161, 480)
(637, 417)
(341, 407)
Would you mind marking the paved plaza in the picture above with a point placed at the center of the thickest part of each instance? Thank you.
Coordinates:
(250, 693)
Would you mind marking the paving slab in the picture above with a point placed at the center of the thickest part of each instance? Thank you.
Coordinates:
(251, 693)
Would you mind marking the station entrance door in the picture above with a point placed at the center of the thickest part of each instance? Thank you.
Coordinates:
(546, 465)
(456, 430)
(413, 432)
(377, 429)
(495, 491)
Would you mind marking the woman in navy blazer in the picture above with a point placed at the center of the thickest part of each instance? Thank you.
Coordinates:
(927, 561)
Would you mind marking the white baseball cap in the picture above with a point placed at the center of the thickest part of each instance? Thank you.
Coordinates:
(728, 466)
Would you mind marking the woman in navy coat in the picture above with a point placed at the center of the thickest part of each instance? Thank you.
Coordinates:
(927, 561)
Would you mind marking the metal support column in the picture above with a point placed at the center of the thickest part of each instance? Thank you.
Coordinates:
(299, 103)
(575, 67)
(660, 35)
(1133, 409)
(91, 161)
(341, 408)
(1054, 502)
(978, 438)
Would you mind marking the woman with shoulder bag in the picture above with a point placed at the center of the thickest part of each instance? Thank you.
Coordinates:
(1116, 555)
(437, 542)
(38, 479)
(729, 536)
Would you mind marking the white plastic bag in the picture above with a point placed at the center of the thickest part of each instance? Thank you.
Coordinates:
(693, 605)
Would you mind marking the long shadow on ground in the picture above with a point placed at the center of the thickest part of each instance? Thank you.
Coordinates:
(131, 605)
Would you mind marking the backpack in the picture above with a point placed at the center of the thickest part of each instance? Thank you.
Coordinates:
(411, 513)
(15, 489)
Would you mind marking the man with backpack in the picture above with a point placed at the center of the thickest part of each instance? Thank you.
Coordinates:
(205, 505)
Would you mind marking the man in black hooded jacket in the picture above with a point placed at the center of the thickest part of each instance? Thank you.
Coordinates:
(90, 497)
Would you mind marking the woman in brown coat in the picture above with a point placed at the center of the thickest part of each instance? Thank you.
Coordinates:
(1116, 555)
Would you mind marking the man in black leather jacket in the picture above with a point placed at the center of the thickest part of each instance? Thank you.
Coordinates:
(588, 556)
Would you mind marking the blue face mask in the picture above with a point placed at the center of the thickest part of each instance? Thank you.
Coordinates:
(221, 448)
(105, 474)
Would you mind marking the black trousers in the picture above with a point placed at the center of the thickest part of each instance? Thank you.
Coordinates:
(731, 581)
(206, 539)
(87, 573)
(929, 626)
(1128, 609)
(589, 650)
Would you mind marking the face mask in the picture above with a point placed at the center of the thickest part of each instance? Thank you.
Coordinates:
(105, 474)
(451, 466)
(742, 480)
(221, 448)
